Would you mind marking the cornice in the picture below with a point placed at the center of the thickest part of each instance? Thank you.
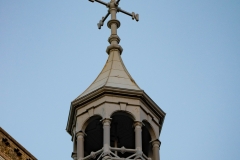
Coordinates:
(105, 90)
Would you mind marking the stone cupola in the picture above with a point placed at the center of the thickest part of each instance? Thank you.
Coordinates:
(114, 118)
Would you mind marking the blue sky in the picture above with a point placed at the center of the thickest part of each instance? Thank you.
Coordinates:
(184, 54)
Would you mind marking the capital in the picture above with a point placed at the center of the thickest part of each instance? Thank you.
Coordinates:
(137, 124)
(106, 121)
(80, 134)
(156, 143)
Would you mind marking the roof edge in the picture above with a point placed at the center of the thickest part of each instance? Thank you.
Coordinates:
(17, 143)
(112, 90)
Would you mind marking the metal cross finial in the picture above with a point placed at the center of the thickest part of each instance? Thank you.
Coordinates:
(113, 24)
(101, 22)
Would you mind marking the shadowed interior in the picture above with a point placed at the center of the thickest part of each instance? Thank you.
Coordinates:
(122, 133)
(146, 138)
(94, 139)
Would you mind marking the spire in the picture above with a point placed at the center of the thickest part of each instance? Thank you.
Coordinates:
(114, 73)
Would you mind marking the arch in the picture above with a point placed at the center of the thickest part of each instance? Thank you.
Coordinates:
(148, 135)
(89, 120)
(125, 113)
(93, 129)
(122, 132)
(150, 129)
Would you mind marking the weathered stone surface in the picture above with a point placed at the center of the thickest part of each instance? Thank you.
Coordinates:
(10, 149)
(114, 74)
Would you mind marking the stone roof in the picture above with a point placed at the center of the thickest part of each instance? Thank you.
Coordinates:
(113, 74)
(10, 149)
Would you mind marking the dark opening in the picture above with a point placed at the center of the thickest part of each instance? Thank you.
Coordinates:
(122, 133)
(94, 139)
(146, 138)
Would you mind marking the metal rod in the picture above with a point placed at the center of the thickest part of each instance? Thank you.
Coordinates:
(121, 149)
(114, 154)
(144, 156)
(101, 22)
(131, 156)
(101, 2)
(106, 16)
(90, 156)
(100, 156)
(125, 12)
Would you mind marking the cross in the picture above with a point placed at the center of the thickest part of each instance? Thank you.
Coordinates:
(113, 24)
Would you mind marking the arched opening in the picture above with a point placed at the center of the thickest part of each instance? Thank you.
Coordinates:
(122, 132)
(146, 138)
(93, 141)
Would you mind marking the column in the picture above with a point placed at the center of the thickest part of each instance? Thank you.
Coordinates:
(74, 153)
(155, 148)
(138, 135)
(106, 135)
(80, 145)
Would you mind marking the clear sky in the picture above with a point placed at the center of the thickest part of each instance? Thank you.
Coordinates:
(185, 54)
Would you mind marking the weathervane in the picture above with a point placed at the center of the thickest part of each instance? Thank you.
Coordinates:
(113, 23)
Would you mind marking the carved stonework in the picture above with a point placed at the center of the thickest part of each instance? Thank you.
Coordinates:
(10, 149)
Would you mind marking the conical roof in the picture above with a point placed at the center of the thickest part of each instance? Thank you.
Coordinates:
(113, 74)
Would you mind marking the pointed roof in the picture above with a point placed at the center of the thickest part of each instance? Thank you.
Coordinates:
(113, 74)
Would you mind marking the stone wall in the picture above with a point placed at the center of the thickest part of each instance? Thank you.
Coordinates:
(10, 149)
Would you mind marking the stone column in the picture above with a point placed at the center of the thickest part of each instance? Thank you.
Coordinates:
(80, 145)
(138, 135)
(106, 135)
(155, 148)
(74, 153)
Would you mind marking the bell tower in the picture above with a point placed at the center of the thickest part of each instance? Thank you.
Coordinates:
(114, 118)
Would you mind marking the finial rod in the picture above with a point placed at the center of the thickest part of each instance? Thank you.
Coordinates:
(113, 23)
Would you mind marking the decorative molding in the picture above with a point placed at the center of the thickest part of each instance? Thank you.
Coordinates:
(99, 93)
